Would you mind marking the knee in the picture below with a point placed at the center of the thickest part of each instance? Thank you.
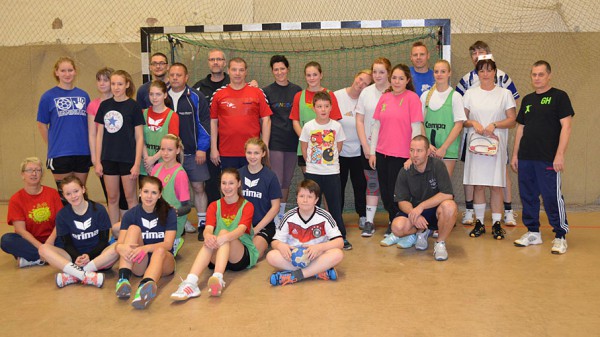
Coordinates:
(447, 210)
(273, 256)
(398, 225)
(159, 253)
(336, 255)
(7, 240)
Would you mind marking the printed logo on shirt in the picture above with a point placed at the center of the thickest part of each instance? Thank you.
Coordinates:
(433, 183)
(527, 107)
(149, 223)
(436, 126)
(40, 213)
(251, 183)
(85, 236)
(83, 225)
(70, 106)
(154, 124)
(113, 121)
(306, 234)
(281, 105)
(321, 147)
(546, 100)
(425, 87)
(229, 105)
(349, 114)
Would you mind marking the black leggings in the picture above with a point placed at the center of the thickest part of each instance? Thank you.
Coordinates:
(388, 168)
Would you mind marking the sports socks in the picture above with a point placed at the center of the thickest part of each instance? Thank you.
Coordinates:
(508, 206)
(469, 204)
(298, 275)
(496, 217)
(479, 211)
(91, 266)
(191, 278)
(371, 210)
(124, 273)
(145, 280)
(201, 219)
(74, 270)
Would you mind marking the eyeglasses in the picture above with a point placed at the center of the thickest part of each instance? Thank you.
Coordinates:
(216, 59)
(157, 64)
(30, 171)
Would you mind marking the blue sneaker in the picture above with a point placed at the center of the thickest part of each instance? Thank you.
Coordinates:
(123, 288)
(144, 295)
(282, 278)
(406, 242)
(389, 240)
(177, 244)
(329, 274)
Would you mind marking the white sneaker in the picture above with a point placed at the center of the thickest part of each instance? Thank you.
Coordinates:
(361, 222)
(509, 218)
(421, 243)
(22, 263)
(529, 238)
(64, 279)
(389, 240)
(185, 291)
(215, 286)
(189, 228)
(93, 279)
(559, 246)
(439, 251)
(468, 217)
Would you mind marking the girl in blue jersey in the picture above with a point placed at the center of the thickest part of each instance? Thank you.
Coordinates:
(261, 187)
(146, 243)
(83, 228)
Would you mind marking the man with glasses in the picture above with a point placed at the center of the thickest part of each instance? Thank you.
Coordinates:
(217, 77)
(159, 67)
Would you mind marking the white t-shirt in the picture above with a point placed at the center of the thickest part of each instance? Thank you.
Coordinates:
(367, 102)
(295, 231)
(175, 97)
(347, 106)
(322, 152)
(437, 100)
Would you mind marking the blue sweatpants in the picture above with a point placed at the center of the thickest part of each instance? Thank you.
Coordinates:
(14, 244)
(539, 178)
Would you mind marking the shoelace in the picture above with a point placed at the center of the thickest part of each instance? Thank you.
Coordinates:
(286, 279)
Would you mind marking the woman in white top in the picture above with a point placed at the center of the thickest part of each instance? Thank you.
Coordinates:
(365, 108)
(350, 156)
(491, 112)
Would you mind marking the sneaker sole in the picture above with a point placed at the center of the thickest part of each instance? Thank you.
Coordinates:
(527, 245)
(124, 291)
(437, 259)
(367, 234)
(273, 280)
(214, 287)
(147, 294)
(332, 274)
(557, 252)
(181, 299)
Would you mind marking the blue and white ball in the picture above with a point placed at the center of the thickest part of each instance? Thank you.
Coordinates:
(299, 259)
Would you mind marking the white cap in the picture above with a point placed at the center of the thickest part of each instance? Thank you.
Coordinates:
(485, 57)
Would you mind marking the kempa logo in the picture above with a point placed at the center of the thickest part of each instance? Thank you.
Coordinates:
(149, 224)
(251, 183)
(436, 126)
(83, 225)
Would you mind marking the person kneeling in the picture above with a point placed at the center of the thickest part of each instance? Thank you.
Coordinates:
(312, 228)
(425, 198)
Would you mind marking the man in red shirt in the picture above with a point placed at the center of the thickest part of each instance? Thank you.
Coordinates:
(238, 112)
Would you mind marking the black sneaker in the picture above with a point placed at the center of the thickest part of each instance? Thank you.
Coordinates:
(497, 231)
(478, 230)
(347, 245)
(368, 230)
(200, 234)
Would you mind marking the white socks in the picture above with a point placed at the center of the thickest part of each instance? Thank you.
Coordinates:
(371, 210)
(192, 278)
(479, 211)
(74, 270)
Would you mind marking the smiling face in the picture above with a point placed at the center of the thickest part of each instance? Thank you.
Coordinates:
(361, 81)
(280, 72)
(159, 66)
(419, 56)
(65, 73)
(254, 155)
(487, 75)
(118, 86)
(398, 80)
(441, 73)
(230, 185)
(380, 74)
(32, 174)
(313, 78)
(149, 193)
(73, 193)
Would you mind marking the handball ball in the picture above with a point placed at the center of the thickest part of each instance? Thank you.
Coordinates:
(298, 258)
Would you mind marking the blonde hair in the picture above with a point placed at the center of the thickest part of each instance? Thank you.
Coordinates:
(260, 143)
(366, 72)
(31, 160)
(60, 60)
(178, 145)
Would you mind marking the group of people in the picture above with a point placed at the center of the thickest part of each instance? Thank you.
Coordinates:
(395, 132)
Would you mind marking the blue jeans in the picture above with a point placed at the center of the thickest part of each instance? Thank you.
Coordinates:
(14, 244)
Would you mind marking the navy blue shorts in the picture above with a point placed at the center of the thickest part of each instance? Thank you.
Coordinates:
(429, 214)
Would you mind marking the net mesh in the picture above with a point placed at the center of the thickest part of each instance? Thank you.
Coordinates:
(97, 34)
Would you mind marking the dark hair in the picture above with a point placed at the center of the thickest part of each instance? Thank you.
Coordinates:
(422, 138)
(238, 60)
(179, 64)
(313, 64)
(279, 58)
(543, 63)
(162, 207)
(322, 96)
(479, 45)
(160, 54)
(163, 87)
(309, 185)
(74, 179)
(236, 174)
(131, 90)
(484, 64)
(406, 70)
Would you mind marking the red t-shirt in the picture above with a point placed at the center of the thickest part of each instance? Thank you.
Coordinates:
(157, 120)
(335, 113)
(239, 113)
(38, 211)
(228, 213)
